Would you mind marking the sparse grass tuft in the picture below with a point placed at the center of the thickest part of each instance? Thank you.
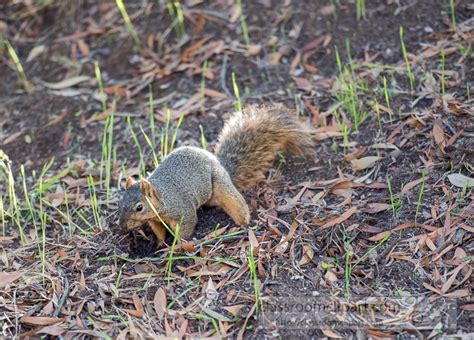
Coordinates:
(203, 138)
(19, 67)
(347, 269)
(387, 97)
(347, 94)
(13, 211)
(360, 9)
(128, 22)
(176, 13)
(420, 195)
(2, 216)
(165, 135)
(203, 82)
(453, 14)
(243, 24)
(138, 145)
(238, 104)
(151, 146)
(377, 113)
(98, 77)
(108, 138)
(179, 13)
(175, 132)
(176, 237)
(30, 206)
(151, 114)
(411, 77)
(394, 202)
(254, 279)
(94, 202)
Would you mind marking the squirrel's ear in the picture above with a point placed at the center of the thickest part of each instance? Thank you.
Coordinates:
(146, 188)
(130, 181)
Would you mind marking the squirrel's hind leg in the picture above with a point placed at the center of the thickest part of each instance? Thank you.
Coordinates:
(226, 196)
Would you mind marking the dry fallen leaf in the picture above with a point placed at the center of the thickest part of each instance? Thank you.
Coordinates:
(303, 83)
(70, 82)
(101, 116)
(234, 310)
(364, 163)
(138, 311)
(254, 49)
(407, 187)
(327, 10)
(274, 58)
(330, 276)
(83, 47)
(373, 208)
(6, 278)
(438, 133)
(211, 291)
(308, 254)
(461, 181)
(281, 247)
(330, 333)
(40, 320)
(383, 234)
(12, 137)
(54, 330)
(215, 315)
(189, 247)
(451, 279)
(214, 94)
(159, 302)
(356, 154)
(35, 51)
(234, 13)
(348, 213)
(253, 239)
(58, 118)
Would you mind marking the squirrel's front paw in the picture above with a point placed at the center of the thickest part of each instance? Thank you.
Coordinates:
(159, 231)
(244, 217)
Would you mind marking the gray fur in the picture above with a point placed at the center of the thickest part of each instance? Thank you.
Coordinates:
(190, 177)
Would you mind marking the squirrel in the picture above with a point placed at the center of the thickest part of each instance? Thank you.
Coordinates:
(190, 177)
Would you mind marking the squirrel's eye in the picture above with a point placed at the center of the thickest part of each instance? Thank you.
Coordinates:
(139, 207)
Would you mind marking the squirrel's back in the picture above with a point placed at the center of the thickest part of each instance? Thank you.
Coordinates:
(248, 143)
(185, 173)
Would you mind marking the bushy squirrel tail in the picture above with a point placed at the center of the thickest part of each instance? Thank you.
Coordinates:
(248, 143)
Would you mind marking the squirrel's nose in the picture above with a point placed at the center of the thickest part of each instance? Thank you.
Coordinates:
(125, 223)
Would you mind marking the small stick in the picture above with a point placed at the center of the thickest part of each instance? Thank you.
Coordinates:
(63, 296)
(223, 75)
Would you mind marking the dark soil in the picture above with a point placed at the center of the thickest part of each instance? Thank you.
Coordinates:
(30, 136)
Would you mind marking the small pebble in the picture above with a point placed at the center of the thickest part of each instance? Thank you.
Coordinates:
(135, 59)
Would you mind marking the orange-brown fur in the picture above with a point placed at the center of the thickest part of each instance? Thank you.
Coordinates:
(249, 141)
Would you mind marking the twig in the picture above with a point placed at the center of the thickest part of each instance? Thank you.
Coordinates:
(241, 333)
(63, 296)
(387, 251)
(207, 12)
(223, 75)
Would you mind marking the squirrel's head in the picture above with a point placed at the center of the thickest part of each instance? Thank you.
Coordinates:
(135, 207)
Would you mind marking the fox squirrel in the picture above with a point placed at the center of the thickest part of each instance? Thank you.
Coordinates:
(190, 177)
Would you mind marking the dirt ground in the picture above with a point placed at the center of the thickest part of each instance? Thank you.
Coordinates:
(384, 209)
